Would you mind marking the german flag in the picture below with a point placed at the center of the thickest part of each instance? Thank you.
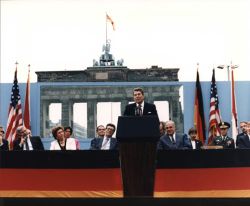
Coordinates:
(199, 120)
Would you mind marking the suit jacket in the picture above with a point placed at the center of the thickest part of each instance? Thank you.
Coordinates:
(35, 141)
(149, 109)
(5, 145)
(243, 141)
(227, 143)
(198, 144)
(181, 142)
(96, 143)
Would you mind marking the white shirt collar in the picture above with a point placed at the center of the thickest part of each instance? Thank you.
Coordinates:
(142, 104)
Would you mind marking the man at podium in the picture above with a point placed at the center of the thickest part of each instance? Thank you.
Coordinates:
(140, 107)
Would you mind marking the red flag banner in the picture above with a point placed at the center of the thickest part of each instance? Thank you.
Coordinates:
(108, 18)
(199, 120)
(26, 117)
(15, 112)
(234, 110)
(214, 115)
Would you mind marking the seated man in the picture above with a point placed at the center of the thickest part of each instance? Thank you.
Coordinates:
(107, 142)
(171, 140)
(244, 138)
(195, 142)
(100, 131)
(224, 140)
(24, 140)
(243, 127)
(4, 144)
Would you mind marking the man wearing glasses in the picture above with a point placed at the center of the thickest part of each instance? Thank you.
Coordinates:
(107, 142)
(4, 144)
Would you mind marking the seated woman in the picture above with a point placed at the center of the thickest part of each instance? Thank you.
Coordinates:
(61, 143)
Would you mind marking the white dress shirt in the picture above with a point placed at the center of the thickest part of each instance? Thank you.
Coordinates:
(193, 144)
(105, 143)
(142, 106)
(29, 144)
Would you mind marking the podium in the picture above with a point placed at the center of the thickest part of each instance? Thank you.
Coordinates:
(137, 138)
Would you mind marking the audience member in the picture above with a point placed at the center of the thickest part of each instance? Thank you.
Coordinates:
(195, 142)
(4, 144)
(107, 142)
(244, 138)
(224, 140)
(162, 128)
(171, 140)
(243, 127)
(140, 107)
(60, 142)
(68, 131)
(100, 131)
(25, 141)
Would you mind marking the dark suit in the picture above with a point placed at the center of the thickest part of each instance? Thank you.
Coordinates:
(243, 141)
(149, 109)
(5, 145)
(198, 144)
(35, 141)
(96, 143)
(181, 142)
(227, 143)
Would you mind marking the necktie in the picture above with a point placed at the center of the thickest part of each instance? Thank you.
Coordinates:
(27, 145)
(139, 110)
(172, 139)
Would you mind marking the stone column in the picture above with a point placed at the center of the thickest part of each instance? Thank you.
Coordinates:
(44, 119)
(67, 113)
(177, 114)
(123, 105)
(170, 102)
(92, 118)
(149, 98)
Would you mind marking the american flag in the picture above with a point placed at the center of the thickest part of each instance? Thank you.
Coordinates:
(15, 113)
(214, 116)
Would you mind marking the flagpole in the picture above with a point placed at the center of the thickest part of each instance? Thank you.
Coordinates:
(106, 30)
(228, 72)
(27, 102)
